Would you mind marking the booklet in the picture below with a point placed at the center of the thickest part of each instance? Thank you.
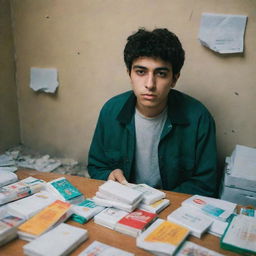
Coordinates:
(3, 211)
(109, 217)
(135, 222)
(162, 237)
(103, 200)
(155, 207)
(116, 191)
(65, 190)
(192, 249)
(44, 220)
(29, 206)
(217, 208)
(20, 189)
(8, 228)
(97, 248)
(240, 235)
(217, 228)
(150, 194)
(191, 218)
(84, 211)
(60, 241)
(249, 211)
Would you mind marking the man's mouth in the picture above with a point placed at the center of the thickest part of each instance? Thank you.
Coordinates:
(148, 96)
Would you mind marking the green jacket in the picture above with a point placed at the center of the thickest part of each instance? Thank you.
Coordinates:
(187, 147)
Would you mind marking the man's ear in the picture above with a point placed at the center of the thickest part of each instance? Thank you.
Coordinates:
(128, 72)
(175, 79)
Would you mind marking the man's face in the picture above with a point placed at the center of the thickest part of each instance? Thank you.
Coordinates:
(151, 80)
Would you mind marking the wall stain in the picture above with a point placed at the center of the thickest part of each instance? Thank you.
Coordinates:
(191, 14)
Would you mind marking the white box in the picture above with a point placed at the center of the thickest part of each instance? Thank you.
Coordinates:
(239, 196)
(240, 183)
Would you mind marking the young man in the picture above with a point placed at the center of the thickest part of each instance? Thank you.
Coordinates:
(155, 134)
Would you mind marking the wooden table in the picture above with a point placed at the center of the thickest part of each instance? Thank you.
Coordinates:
(103, 234)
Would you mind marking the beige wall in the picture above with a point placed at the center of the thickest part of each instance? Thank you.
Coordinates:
(84, 40)
(9, 123)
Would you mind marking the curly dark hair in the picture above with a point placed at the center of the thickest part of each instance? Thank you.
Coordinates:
(160, 43)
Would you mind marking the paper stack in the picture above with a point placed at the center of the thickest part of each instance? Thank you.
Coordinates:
(27, 207)
(8, 228)
(20, 189)
(150, 195)
(155, 207)
(243, 162)
(135, 222)
(196, 221)
(114, 194)
(153, 199)
(84, 211)
(60, 241)
(65, 190)
(43, 221)
(162, 237)
(109, 217)
(97, 248)
(240, 176)
(7, 177)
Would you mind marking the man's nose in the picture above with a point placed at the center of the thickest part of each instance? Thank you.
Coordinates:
(150, 82)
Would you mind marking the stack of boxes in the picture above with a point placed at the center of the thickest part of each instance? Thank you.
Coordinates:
(240, 176)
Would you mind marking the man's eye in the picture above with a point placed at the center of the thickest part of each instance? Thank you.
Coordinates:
(140, 72)
(161, 74)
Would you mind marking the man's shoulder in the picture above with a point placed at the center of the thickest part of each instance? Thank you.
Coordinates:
(189, 107)
(187, 101)
(120, 98)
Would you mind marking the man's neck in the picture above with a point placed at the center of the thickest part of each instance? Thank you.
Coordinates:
(151, 112)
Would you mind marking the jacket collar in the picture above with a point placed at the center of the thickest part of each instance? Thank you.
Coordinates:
(175, 109)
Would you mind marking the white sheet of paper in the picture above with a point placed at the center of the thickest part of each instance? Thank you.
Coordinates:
(44, 79)
(223, 33)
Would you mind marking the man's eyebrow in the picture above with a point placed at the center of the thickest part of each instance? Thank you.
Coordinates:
(157, 69)
(138, 66)
(162, 69)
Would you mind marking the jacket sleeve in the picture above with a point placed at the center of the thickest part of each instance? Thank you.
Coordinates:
(204, 179)
(98, 166)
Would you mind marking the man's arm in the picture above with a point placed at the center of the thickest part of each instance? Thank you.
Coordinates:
(204, 179)
(99, 166)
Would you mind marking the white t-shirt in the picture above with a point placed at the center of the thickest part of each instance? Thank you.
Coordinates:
(148, 132)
